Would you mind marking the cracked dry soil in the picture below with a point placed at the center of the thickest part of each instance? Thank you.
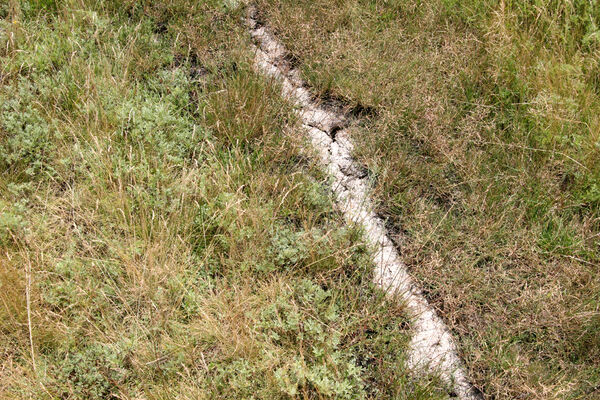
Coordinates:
(432, 347)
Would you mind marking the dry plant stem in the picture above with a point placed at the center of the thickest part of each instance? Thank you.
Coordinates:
(432, 347)
(28, 299)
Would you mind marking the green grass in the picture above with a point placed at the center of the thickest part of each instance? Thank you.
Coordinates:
(480, 123)
(163, 234)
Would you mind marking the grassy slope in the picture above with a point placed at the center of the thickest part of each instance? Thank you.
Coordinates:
(481, 124)
(162, 233)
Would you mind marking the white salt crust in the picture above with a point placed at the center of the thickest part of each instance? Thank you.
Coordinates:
(432, 347)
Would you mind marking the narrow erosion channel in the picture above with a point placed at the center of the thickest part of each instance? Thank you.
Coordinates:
(432, 347)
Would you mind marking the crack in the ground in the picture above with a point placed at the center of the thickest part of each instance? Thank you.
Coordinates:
(432, 347)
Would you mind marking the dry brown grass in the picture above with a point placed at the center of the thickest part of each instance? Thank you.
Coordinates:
(482, 138)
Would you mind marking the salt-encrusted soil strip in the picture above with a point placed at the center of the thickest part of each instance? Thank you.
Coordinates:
(432, 347)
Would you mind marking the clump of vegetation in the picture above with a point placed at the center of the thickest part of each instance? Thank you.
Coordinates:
(480, 123)
(163, 234)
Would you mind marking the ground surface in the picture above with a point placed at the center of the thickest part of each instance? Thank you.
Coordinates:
(165, 233)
